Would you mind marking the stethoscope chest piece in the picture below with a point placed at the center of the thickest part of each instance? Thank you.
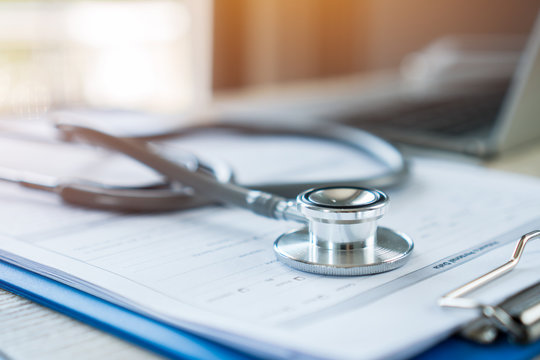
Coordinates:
(342, 237)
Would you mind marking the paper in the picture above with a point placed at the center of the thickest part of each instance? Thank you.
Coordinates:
(213, 270)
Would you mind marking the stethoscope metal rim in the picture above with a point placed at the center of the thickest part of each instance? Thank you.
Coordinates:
(377, 202)
(295, 249)
(342, 214)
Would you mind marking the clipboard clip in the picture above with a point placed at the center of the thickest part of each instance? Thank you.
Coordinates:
(518, 316)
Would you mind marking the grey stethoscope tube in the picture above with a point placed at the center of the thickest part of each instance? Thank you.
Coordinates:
(161, 196)
(166, 196)
(342, 237)
(359, 140)
(259, 202)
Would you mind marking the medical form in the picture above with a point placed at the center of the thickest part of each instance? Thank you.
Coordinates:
(212, 270)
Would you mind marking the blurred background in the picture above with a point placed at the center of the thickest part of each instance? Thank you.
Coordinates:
(113, 54)
(166, 56)
(278, 40)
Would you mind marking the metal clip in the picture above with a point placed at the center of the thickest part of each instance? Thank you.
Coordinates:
(518, 316)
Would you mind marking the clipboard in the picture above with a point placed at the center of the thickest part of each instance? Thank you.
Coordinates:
(179, 344)
(128, 325)
(518, 316)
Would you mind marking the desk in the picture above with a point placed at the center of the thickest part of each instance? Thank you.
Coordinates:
(30, 331)
(523, 160)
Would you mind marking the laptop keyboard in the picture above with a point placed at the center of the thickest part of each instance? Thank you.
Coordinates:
(452, 117)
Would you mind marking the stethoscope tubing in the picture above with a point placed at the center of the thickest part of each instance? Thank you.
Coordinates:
(217, 184)
(261, 203)
(357, 139)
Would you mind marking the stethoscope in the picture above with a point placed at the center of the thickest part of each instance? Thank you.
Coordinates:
(341, 237)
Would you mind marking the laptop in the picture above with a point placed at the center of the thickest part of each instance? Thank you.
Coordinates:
(477, 123)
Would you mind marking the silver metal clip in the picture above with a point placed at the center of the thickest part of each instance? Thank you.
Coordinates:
(518, 316)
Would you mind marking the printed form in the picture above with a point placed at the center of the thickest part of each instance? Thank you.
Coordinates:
(212, 270)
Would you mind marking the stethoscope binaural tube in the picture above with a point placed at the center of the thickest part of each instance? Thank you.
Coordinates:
(342, 237)
(259, 202)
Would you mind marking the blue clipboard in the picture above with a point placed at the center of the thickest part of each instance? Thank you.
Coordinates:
(140, 330)
(178, 344)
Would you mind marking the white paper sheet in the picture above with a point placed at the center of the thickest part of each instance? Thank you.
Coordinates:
(213, 270)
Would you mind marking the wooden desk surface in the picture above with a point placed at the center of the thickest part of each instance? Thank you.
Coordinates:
(30, 331)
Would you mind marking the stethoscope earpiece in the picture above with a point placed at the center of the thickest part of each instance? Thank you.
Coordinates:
(342, 237)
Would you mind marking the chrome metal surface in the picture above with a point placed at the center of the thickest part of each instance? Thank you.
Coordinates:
(288, 210)
(498, 316)
(454, 298)
(296, 250)
(342, 197)
(342, 217)
(343, 204)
